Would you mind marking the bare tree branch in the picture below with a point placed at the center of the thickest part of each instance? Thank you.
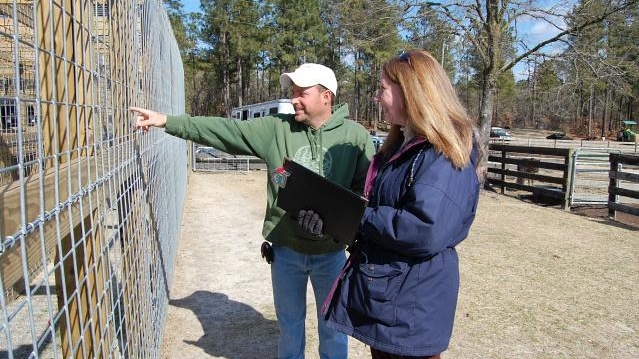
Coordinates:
(594, 20)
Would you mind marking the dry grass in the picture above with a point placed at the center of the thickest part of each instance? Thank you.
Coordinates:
(543, 283)
(537, 282)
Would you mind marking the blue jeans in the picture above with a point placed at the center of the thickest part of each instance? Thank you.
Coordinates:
(290, 271)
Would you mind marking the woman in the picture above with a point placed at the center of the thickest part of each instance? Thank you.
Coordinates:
(398, 291)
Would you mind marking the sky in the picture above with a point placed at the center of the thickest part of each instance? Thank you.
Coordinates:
(531, 30)
(191, 5)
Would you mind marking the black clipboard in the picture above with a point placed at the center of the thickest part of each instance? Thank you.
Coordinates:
(340, 208)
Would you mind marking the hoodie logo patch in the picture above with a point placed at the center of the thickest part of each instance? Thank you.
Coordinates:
(304, 156)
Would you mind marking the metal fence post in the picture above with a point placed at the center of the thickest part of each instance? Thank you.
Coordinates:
(612, 187)
(570, 162)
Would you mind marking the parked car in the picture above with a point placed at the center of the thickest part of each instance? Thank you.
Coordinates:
(500, 133)
(378, 141)
(558, 136)
(206, 153)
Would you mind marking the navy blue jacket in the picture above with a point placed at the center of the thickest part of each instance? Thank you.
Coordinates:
(399, 290)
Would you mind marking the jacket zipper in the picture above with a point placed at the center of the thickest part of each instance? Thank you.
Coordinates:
(381, 174)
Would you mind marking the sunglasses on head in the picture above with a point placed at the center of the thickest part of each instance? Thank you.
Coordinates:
(405, 56)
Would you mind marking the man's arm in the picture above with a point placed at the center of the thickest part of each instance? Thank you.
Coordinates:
(226, 134)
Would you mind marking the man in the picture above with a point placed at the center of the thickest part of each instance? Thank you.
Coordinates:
(320, 137)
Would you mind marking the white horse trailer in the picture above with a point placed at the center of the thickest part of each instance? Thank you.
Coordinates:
(273, 107)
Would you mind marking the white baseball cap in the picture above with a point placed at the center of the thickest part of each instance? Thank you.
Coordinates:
(309, 75)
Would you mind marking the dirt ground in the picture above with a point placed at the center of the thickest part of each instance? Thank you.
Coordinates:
(537, 282)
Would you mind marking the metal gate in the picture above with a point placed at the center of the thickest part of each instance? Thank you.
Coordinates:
(589, 177)
(213, 160)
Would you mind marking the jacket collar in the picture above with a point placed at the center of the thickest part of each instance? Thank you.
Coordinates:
(416, 141)
(340, 113)
(378, 162)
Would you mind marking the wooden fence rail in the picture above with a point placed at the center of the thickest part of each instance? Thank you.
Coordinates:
(619, 173)
(542, 171)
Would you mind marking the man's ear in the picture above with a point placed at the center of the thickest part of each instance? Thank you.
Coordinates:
(326, 95)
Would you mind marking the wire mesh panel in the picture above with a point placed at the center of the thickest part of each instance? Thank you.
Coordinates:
(89, 218)
(213, 160)
(590, 176)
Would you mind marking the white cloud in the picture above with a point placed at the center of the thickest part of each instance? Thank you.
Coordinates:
(531, 30)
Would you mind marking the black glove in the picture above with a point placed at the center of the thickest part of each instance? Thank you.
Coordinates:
(310, 221)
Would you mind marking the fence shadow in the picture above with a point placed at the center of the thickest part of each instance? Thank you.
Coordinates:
(22, 351)
(232, 329)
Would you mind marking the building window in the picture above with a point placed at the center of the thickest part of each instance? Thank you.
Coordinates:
(8, 113)
(101, 9)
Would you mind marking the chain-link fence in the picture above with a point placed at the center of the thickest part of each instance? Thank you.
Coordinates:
(90, 211)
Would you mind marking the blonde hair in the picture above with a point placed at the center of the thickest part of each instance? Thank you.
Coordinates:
(432, 107)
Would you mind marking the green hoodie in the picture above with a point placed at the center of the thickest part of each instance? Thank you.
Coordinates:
(340, 150)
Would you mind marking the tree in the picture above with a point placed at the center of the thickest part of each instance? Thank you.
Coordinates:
(370, 36)
(428, 31)
(484, 24)
(175, 12)
(237, 49)
(603, 60)
(186, 31)
(229, 29)
(301, 34)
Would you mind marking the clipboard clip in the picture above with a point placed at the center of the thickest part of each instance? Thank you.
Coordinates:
(280, 176)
